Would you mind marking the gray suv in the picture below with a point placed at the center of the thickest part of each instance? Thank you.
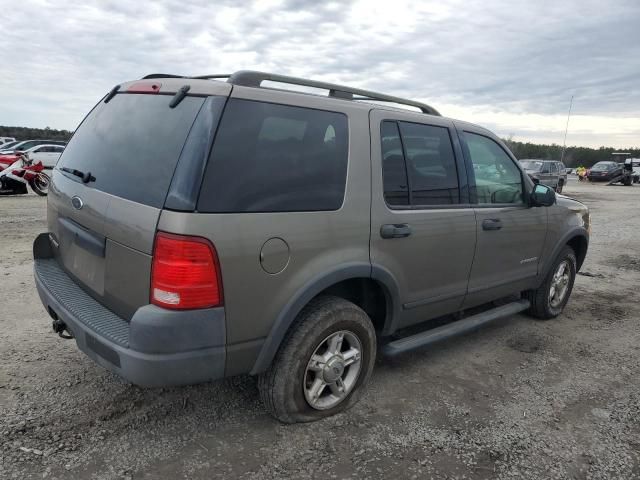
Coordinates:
(200, 229)
(551, 173)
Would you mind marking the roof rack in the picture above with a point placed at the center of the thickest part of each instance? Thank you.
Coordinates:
(251, 78)
(161, 75)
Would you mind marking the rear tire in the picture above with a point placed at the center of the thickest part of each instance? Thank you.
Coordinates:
(548, 300)
(287, 388)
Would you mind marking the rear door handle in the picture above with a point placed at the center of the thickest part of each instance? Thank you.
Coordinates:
(492, 224)
(395, 230)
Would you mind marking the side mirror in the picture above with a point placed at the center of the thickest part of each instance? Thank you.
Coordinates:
(542, 196)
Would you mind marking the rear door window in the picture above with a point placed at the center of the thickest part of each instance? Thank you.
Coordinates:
(431, 164)
(131, 145)
(276, 158)
(418, 165)
(394, 170)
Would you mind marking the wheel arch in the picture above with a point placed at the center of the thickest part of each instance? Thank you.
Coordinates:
(579, 243)
(355, 282)
(578, 239)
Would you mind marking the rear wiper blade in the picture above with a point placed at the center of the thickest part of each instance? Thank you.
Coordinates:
(111, 94)
(179, 96)
(85, 177)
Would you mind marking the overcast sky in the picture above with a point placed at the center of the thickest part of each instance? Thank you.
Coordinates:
(508, 65)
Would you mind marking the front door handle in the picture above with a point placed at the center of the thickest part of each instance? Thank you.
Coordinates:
(395, 230)
(492, 224)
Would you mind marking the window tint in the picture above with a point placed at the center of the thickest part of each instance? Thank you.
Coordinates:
(57, 149)
(418, 165)
(131, 145)
(394, 172)
(276, 158)
(430, 163)
(498, 179)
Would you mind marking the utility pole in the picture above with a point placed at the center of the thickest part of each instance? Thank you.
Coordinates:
(564, 144)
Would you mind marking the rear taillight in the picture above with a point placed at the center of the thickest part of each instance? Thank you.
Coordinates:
(185, 273)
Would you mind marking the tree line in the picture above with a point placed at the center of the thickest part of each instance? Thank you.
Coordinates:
(573, 156)
(26, 133)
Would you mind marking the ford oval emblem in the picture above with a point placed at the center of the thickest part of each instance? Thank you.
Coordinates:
(77, 202)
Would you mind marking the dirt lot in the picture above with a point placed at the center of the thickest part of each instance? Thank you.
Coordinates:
(522, 398)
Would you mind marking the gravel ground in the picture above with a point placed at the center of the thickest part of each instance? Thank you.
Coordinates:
(521, 398)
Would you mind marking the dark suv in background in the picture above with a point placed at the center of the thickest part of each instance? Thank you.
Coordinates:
(199, 229)
(547, 172)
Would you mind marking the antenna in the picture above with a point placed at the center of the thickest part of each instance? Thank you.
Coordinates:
(564, 144)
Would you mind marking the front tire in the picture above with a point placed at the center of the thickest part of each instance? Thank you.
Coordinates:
(548, 300)
(40, 184)
(323, 364)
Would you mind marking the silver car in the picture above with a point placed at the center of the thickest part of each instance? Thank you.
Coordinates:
(200, 228)
(552, 173)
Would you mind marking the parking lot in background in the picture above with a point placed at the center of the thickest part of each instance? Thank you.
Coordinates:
(539, 399)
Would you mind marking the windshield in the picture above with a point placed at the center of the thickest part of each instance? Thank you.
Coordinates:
(131, 145)
(603, 166)
(531, 165)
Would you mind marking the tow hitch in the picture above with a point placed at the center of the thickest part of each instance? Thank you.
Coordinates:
(60, 327)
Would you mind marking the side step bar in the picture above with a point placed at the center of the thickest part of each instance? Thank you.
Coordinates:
(452, 329)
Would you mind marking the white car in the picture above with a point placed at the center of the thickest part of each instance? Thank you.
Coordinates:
(5, 140)
(25, 145)
(47, 154)
(635, 165)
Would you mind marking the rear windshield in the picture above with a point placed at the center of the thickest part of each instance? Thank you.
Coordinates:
(531, 165)
(276, 158)
(131, 145)
(603, 166)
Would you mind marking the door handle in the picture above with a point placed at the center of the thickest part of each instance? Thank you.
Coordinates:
(395, 230)
(492, 224)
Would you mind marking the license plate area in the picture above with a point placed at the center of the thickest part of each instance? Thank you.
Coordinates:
(83, 254)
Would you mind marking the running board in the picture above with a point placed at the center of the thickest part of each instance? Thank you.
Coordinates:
(452, 329)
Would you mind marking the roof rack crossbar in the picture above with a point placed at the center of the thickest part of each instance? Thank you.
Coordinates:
(250, 78)
(160, 75)
(215, 75)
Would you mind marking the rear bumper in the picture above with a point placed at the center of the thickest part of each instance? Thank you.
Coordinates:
(158, 347)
